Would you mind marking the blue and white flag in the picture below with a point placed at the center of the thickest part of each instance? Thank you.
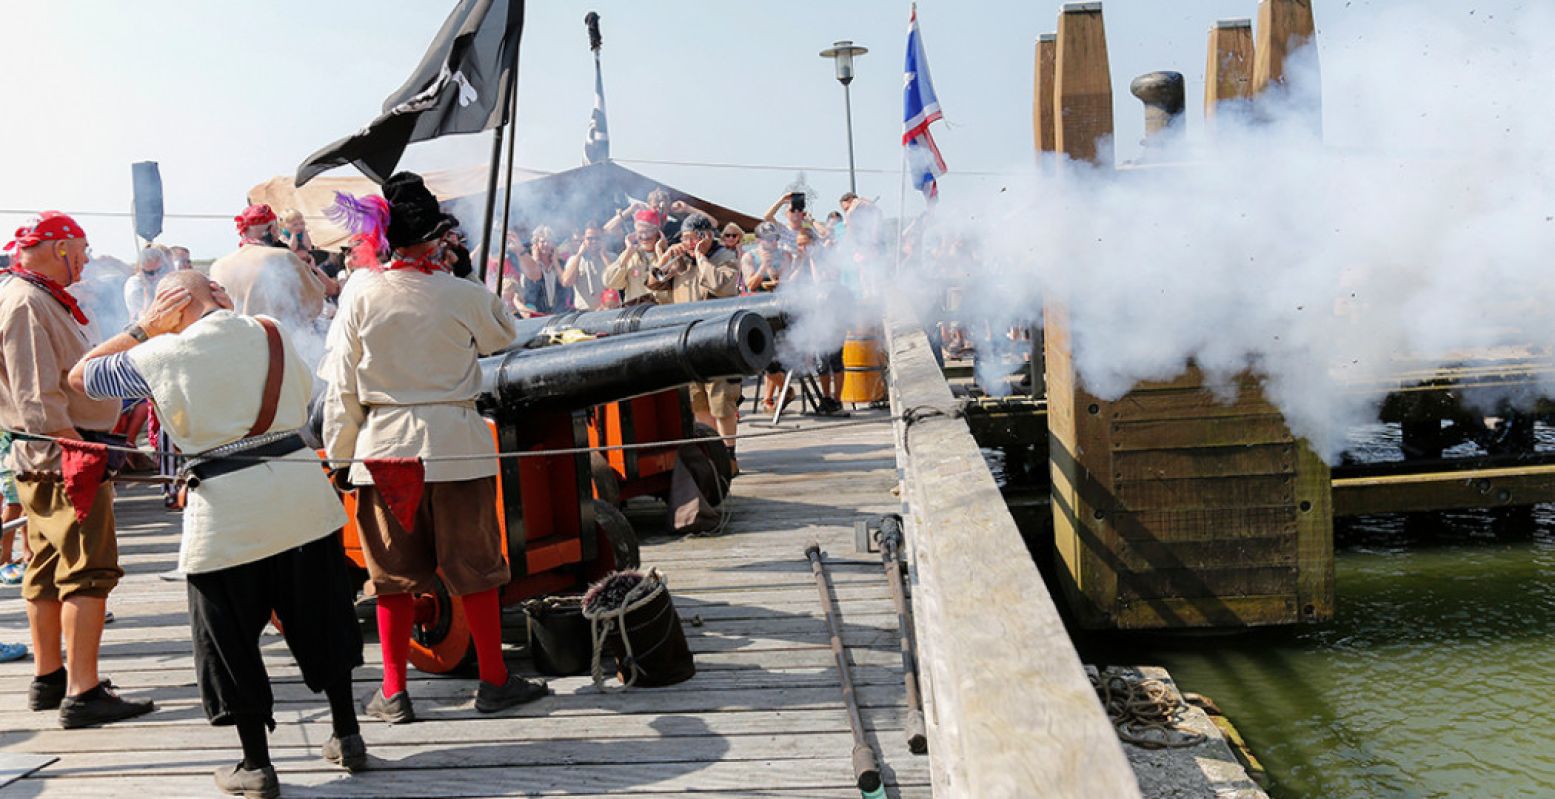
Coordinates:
(920, 109)
(596, 146)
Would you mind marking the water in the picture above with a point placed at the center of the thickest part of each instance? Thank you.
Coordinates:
(1435, 679)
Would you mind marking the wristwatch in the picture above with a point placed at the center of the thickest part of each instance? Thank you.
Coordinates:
(135, 331)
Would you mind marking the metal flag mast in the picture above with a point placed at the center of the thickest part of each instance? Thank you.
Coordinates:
(509, 91)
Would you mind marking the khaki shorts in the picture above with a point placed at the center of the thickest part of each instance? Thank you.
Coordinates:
(718, 399)
(69, 558)
(455, 531)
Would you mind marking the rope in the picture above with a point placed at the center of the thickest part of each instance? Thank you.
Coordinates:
(538, 453)
(1140, 706)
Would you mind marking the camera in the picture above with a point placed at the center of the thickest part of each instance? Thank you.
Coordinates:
(796, 201)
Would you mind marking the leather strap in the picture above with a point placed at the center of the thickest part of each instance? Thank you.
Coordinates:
(272, 395)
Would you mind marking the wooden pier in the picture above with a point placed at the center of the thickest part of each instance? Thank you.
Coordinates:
(762, 717)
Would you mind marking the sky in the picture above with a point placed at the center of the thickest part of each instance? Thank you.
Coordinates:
(225, 95)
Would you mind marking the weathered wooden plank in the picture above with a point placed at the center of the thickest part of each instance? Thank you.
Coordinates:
(1226, 431)
(1207, 581)
(825, 776)
(1082, 86)
(1451, 490)
(1010, 710)
(1210, 493)
(1228, 74)
(1227, 612)
(1206, 525)
(1205, 462)
(1144, 404)
(1144, 555)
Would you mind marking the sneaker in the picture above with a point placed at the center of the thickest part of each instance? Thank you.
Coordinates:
(395, 709)
(10, 652)
(516, 691)
(250, 783)
(45, 695)
(11, 573)
(101, 705)
(349, 752)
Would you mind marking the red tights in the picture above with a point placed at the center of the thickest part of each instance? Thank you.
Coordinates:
(396, 614)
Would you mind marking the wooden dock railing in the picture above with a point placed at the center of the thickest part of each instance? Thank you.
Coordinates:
(1008, 707)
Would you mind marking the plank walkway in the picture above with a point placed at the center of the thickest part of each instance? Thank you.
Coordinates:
(763, 716)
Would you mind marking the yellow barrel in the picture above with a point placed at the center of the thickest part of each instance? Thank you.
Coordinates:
(863, 369)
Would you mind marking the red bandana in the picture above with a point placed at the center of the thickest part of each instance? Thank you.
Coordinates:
(48, 226)
(85, 465)
(425, 266)
(252, 216)
(400, 482)
(54, 289)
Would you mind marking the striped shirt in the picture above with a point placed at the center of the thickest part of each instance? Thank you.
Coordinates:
(113, 376)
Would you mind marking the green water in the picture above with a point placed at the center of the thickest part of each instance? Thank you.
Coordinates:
(1435, 679)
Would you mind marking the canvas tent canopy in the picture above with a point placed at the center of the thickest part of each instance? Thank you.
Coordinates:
(564, 201)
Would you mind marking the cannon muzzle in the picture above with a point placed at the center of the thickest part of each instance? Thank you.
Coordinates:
(628, 365)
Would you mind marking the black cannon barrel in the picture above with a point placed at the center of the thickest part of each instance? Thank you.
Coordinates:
(623, 366)
(775, 307)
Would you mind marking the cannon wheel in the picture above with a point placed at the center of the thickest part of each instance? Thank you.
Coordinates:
(617, 537)
(442, 643)
(607, 485)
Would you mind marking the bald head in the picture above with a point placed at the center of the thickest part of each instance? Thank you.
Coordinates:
(205, 295)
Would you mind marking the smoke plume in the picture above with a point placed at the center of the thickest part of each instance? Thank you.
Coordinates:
(1420, 233)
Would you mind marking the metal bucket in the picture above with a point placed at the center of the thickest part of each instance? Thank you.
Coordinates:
(559, 639)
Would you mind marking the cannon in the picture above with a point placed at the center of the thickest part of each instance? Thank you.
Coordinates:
(557, 536)
(623, 366)
(775, 307)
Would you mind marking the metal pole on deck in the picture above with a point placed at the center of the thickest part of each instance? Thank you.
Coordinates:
(866, 765)
(890, 556)
(491, 179)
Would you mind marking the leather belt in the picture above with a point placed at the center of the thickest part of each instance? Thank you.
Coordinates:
(242, 459)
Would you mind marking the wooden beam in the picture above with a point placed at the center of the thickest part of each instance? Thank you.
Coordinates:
(1043, 124)
(1229, 74)
(1010, 710)
(1082, 85)
(1452, 490)
(1284, 26)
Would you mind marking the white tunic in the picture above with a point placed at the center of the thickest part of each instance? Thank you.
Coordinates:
(207, 383)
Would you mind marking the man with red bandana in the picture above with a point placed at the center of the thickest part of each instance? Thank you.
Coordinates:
(75, 560)
(403, 377)
(264, 277)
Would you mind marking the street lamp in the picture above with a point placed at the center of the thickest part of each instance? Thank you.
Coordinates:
(842, 54)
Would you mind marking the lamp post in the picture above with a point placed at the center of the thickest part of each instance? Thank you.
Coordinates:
(842, 53)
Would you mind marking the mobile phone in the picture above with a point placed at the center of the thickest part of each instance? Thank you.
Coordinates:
(796, 201)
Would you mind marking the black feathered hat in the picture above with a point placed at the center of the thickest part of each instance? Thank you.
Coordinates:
(414, 215)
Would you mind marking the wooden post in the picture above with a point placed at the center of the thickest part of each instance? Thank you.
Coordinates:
(1043, 125)
(1229, 74)
(1284, 27)
(1082, 85)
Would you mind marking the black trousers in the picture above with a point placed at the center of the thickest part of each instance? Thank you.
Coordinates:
(310, 590)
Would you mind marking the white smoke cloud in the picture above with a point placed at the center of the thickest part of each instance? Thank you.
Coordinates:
(1420, 233)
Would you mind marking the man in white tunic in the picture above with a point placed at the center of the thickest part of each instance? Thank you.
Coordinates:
(258, 534)
(403, 377)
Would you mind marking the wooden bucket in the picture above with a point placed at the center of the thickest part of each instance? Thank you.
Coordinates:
(863, 369)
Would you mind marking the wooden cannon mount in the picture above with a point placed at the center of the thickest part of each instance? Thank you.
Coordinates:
(558, 535)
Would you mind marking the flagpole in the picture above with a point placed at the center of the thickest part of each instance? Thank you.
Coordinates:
(509, 91)
(491, 200)
(507, 193)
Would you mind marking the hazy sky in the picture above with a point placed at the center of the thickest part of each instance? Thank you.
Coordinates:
(225, 94)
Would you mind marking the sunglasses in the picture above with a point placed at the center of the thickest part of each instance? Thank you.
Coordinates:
(731, 235)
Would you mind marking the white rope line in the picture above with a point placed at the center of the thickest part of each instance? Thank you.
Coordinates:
(156, 453)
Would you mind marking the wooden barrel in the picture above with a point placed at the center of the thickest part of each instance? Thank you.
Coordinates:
(863, 369)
